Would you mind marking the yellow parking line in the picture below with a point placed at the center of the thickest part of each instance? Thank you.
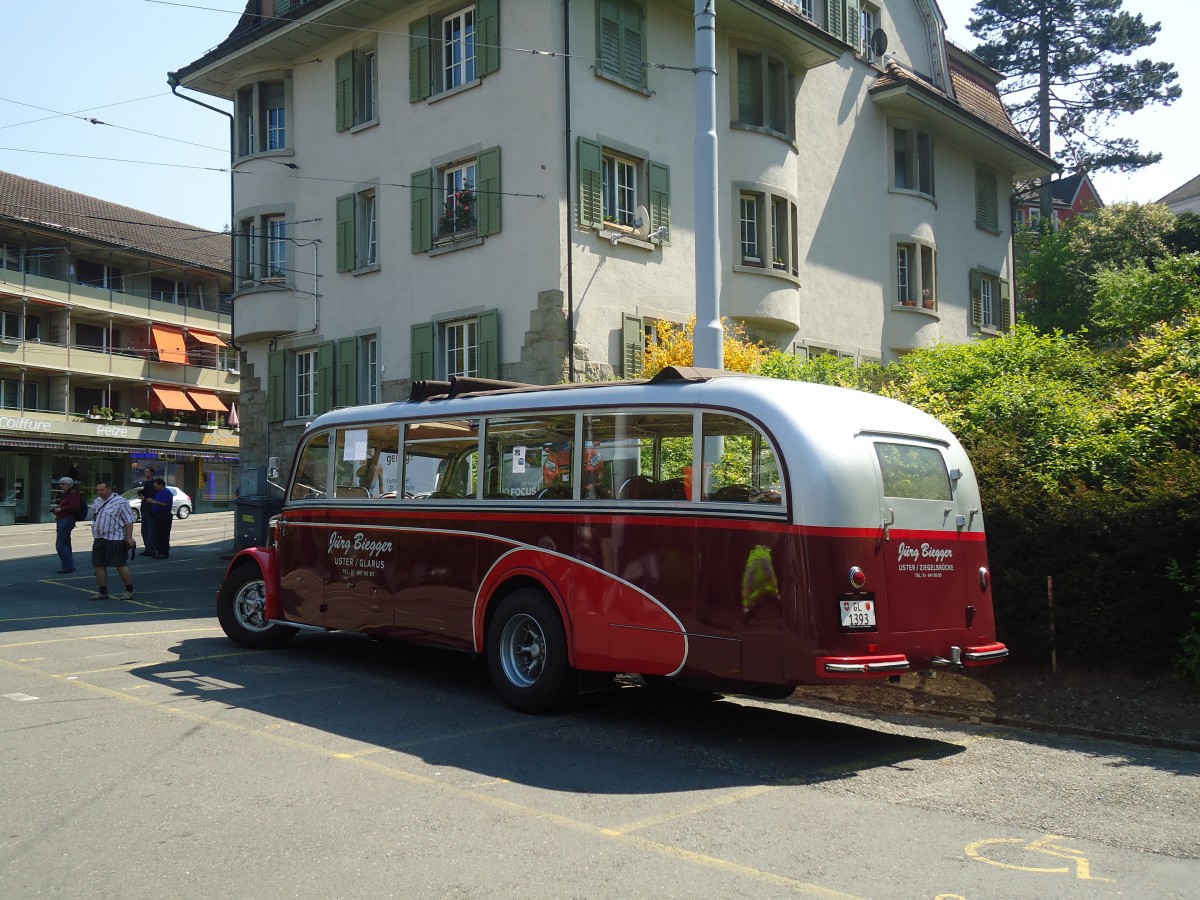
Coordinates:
(468, 793)
(725, 800)
(105, 637)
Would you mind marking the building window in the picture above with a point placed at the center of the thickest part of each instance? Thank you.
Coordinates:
(262, 249)
(807, 8)
(15, 394)
(306, 383)
(356, 77)
(750, 205)
(276, 250)
(912, 160)
(460, 341)
(989, 301)
(99, 275)
(459, 206)
(764, 96)
(457, 203)
(463, 347)
(614, 184)
(458, 48)
(453, 49)
(868, 17)
(371, 358)
(916, 275)
(621, 41)
(167, 290)
(987, 205)
(619, 182)
(10, 257)
(358, 231)
(261, 118)
(767, 226)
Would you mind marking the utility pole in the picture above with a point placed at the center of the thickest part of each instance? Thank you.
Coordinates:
(709, 339)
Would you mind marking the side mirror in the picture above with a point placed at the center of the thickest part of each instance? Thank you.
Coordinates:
(273, 468)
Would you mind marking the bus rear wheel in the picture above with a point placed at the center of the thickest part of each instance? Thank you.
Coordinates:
(241, 610)
(527, 653)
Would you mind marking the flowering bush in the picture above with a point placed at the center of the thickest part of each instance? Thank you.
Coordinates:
(459, 213)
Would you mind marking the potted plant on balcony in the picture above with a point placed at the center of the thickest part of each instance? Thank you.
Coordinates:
(101, 413)
(139, 416)
(459, 214)
(926, 298)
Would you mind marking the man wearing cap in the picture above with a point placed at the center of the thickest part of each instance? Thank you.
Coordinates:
(112, 533)
(67, 512)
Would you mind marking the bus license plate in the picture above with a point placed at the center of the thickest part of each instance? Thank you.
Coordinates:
(858, 613)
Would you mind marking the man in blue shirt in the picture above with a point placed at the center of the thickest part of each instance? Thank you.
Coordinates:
(161, 507)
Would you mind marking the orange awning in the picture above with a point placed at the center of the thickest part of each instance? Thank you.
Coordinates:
(171, 345)
(173, 398)
(207, 401)
(205, 338)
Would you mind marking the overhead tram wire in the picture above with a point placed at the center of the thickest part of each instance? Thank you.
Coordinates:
(94, 121)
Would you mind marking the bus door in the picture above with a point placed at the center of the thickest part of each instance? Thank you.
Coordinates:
(360, 551)
(301, 539)
(925, 555)
(436, 566)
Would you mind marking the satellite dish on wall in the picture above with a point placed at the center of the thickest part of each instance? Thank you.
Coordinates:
(879, 42)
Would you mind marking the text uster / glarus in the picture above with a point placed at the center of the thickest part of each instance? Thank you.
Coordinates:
(357, 551)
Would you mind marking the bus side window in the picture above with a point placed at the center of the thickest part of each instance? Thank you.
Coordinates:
(643, 456)
(739, 462)
(532, 457)
(312, 474)
(440, 460)
(366, 460)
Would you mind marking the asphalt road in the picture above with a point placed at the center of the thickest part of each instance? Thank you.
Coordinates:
(144, 755)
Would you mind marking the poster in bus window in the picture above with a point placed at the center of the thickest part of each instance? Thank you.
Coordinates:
(390, 470)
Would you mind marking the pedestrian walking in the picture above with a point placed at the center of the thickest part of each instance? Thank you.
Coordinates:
(113, 541)
(146, 492)
(162, 505)
(67, 512)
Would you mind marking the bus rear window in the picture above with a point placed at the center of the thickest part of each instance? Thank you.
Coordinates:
(912, 472)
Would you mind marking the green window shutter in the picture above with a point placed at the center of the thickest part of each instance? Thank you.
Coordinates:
(633, 56)
(276, 391)
(487, 197)
(590, 159)
(608, 37)
(836, 22)
(420, 80)
(976, 298)
(422, 351)
(347, 371)
(660, 200)
(1005, 307)
(344, 94)
(422, 211)
(487, 36)
(853, 26)
(283, 6)
(346, 251)
(986, 203)
(633, 346)
(489, 344)
(325, 374)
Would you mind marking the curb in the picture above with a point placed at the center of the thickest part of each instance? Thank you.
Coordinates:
(1143, 740)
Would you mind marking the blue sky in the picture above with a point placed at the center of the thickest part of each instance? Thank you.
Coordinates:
(108, 59)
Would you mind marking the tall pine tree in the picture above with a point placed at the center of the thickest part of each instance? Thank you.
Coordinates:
(1069, 76)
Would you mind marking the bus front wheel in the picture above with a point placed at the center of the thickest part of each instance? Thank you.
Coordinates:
(527, 653)
(241, 610)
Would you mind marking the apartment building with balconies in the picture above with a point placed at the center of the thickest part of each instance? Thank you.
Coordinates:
(505, 189)
(115, 354)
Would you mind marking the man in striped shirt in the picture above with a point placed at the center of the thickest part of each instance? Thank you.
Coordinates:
(112, 533)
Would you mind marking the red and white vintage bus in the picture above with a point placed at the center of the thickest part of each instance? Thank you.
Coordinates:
(701, 529)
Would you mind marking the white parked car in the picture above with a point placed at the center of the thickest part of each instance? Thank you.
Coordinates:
(182, 507)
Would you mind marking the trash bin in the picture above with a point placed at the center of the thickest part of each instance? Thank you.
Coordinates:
(252, 517)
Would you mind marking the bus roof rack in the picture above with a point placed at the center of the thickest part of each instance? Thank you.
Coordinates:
(688, 373)
(428, 390)
(459, 386)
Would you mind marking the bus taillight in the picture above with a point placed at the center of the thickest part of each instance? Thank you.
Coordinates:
(858, 578)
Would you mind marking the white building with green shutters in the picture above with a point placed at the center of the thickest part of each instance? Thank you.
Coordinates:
(505, 188)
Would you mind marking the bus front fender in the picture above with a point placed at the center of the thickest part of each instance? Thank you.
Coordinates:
(265, 560)
(611, 625)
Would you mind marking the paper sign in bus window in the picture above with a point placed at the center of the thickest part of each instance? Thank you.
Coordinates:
(518, 460)
(356, 445)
